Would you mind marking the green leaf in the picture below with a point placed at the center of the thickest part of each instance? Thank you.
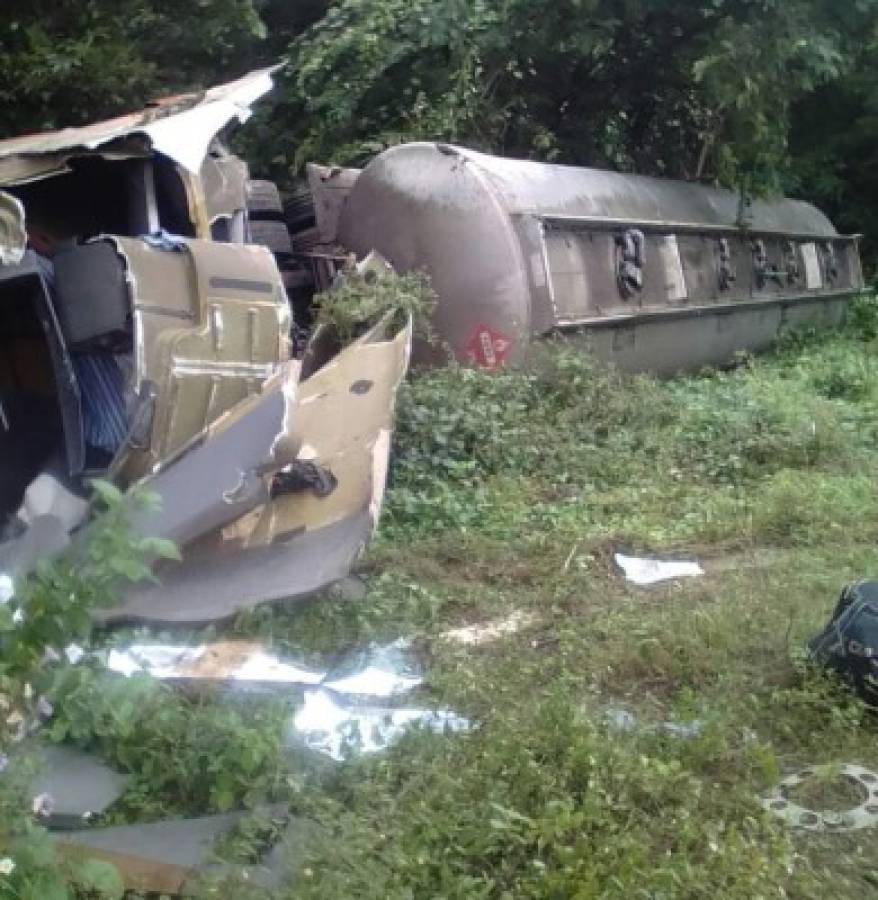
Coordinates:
(107, 492)
(99, 877)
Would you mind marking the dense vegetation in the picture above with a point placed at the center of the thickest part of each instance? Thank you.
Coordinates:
(755, 94)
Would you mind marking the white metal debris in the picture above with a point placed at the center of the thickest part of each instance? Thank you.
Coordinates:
(373, 682)
(645, 571)
(344, 710)
(339, 730)
(381, 671)
(240, 661)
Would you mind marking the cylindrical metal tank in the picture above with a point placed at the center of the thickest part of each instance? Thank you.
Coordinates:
(518, 249)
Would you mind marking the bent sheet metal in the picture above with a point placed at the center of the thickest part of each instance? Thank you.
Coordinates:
(248, 544)
(244, 539)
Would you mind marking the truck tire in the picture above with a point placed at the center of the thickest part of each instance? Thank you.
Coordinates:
(299, 209)
(272, 234)
(263, 200)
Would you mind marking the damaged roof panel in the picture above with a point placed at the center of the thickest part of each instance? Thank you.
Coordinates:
(180, 127)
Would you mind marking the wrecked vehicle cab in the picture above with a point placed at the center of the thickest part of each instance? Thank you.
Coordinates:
(146, 337)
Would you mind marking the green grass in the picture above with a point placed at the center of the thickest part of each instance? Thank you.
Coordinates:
(511, 493)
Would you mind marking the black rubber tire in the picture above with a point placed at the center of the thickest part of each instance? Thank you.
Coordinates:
(299, 209)
(263, 200)
(273, 235)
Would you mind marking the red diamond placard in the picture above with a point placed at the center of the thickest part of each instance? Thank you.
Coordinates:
(487, 348)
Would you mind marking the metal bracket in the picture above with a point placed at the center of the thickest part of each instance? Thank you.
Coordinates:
(727, 276)
(794, 270)
(630, 258)
(830, 262)
(762, 268)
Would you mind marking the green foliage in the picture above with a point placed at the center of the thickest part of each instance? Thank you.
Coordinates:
(189, 755)
(49, 609)
(611, 447)
(52, 606)
(509, 492)
(677, 88)
(364, 298)
(542, 802)
(65, 62)
(832, 146)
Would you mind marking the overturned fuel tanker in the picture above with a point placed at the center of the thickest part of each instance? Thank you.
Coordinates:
(651, 274)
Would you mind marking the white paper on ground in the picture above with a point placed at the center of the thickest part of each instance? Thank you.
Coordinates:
(649, 571)
(339, 731)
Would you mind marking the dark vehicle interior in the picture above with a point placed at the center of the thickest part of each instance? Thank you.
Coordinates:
(31, 426)
(65, 317)
(100, 196)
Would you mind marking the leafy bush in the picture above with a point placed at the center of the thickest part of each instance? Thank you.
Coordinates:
(190, 756)
(44, 613)
(363, 298)
(745, 427)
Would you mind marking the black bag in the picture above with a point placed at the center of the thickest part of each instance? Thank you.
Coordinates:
(849, 643)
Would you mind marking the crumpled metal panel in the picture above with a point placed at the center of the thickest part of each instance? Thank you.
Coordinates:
(181, 127)
(210, 326)
(222, 474)
(290, 545)
(224, 179)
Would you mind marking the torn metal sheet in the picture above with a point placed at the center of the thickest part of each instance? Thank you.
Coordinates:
(330, 187)
(180, 127)
(233, 661)
(342, 711)
(220, 476)
(159, 857)
(340, 730)
(293, 544)
(13, 237)
(377, 672)
(863, 815)
(644, 571)
(162, 343)
(80, 786)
